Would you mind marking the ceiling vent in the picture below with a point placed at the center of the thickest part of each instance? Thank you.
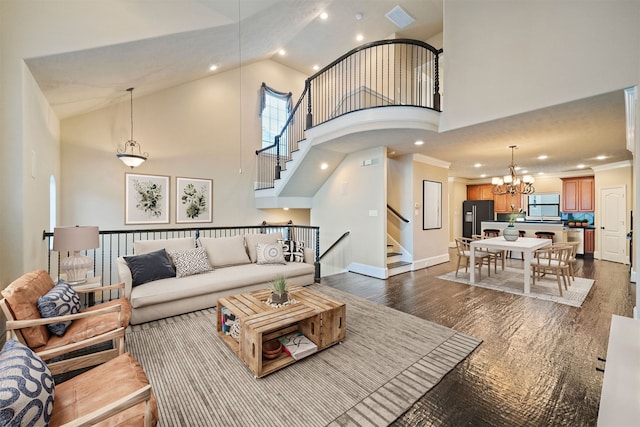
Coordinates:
(399, 17)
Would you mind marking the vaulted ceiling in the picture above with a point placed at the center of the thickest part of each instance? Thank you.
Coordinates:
(233, 33)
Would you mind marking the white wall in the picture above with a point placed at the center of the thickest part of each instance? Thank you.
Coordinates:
(208, 128)
(505, 57)
(344, 203)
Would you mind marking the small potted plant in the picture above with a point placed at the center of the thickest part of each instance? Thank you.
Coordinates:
(279, 293)
(585, 222)
(572, 223)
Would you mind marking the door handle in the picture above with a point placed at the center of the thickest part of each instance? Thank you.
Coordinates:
(601, 228)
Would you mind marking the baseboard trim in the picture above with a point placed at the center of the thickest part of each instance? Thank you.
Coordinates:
(428, 262)
(368, 270)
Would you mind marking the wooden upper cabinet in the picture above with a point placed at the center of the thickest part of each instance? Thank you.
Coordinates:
(578, 194)
(479, 192)
(502, 203)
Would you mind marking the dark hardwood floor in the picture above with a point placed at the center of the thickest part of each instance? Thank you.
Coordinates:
(537, 363)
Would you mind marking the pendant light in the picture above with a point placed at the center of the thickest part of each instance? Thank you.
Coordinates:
(131, 154)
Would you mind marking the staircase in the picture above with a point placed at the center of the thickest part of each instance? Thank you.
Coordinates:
(395, 263)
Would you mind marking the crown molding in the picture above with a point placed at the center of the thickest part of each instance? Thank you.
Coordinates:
(431, 161)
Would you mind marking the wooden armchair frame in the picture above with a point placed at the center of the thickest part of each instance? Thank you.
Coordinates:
(14, 326)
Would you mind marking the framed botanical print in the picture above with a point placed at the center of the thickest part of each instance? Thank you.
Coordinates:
(194, 200)
(146, 199)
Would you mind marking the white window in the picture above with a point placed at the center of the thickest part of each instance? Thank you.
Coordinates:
(276, 107)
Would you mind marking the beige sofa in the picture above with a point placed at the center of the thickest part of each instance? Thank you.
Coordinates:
(236, 269)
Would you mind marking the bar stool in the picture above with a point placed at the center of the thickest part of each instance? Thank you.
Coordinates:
(521, 233)
(545, 234)
(491, 232)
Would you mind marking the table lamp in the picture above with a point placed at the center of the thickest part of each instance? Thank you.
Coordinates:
(75, 239)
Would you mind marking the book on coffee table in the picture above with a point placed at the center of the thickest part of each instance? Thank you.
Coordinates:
(297, 345)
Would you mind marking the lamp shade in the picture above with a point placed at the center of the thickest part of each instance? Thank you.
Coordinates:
(76, 238)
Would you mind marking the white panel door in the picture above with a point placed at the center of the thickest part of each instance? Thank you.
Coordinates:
(613, 225)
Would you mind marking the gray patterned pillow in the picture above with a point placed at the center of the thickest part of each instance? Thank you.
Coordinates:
(269, 253)
(27, 387)
(188, 263)
(59, 301)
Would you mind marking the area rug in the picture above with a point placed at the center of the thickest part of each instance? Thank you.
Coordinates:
(511, 280)
(388, 360)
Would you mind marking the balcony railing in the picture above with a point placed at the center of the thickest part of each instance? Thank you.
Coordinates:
(379, 74)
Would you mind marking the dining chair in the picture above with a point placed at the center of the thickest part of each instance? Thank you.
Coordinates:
(552, 260)
(464, 253)
(495, 254)
(573, 258)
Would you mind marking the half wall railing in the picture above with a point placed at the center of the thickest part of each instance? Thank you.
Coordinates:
(117, 243)
(378, 74)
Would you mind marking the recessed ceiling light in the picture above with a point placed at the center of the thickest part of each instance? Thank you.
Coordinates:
(324, 15)
(525, 171)
(213, 68)
(581, 166)
(316, 67)
(359, 37)
(543, 157)
(286, 209)
(540, 173)
(477, 165)
(484, 175)
(324, 166)
(419, 142)
(282, 52)
(601, 157)
(518, 168)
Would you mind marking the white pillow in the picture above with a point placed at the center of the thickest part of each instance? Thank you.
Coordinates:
(225, 251)
(252, 241)
(269, 253)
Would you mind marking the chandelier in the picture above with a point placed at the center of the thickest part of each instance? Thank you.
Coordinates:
(512, 184)
(128, 153)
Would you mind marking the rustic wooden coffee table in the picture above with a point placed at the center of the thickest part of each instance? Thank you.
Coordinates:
(321, 319)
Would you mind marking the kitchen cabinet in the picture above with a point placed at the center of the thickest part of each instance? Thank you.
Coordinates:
(589, 241)
(502, 203)
(578, 194)
(479, 192)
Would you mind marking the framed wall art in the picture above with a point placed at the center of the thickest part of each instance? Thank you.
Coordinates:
(146, 199)
(431, 205)
(194, 200)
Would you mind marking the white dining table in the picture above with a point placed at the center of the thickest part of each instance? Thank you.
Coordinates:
(526, 245)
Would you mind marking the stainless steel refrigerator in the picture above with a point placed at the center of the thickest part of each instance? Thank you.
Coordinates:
(473, 213)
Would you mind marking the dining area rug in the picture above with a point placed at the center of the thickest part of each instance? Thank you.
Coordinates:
(387, 362)
(511, 281)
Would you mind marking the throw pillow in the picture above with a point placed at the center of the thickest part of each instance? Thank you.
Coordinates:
(252, 241)
(190, 262)
(27, 387)
(269, 253)
(225, 251)
(59, 301)
(293, 250)
(149, 267)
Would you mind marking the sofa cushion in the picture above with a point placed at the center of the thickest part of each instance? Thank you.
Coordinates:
(27, 387)
(150, 266)
(22, 298)
(293, 250)
(252, 241)
(59, 301)
(225, 251)
(101, 386)
(269, 253)
(179, 244)
(188, 263)
(88, 327)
